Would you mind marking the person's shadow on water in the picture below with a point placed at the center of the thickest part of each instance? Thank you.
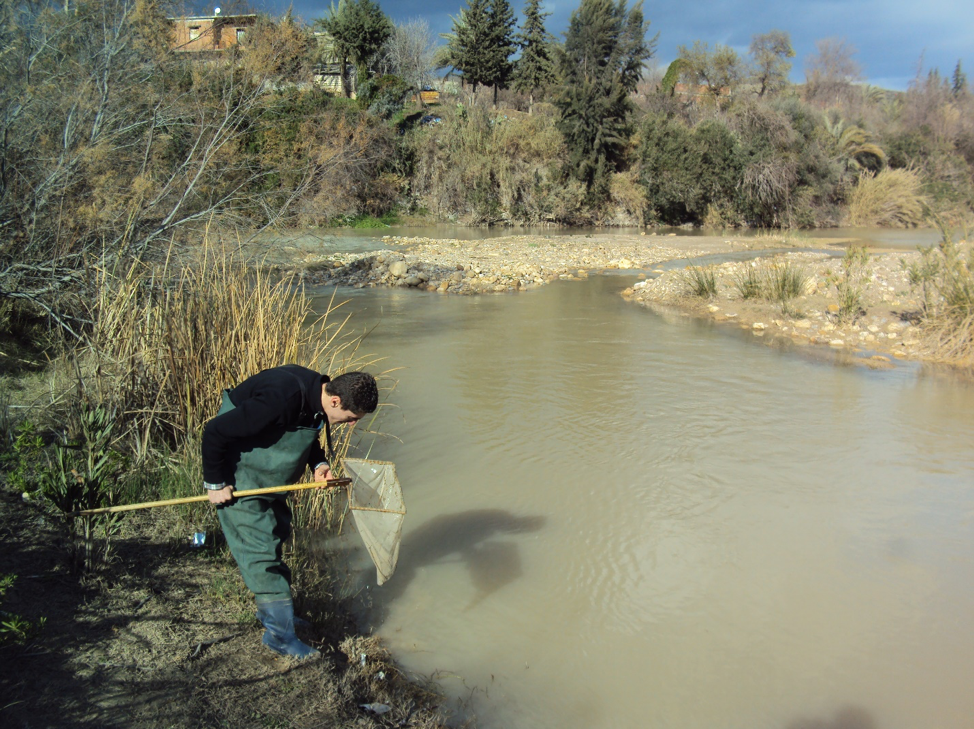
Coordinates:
(848, 717)
(473, 538)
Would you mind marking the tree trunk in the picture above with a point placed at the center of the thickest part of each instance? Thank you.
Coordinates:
(346, 86)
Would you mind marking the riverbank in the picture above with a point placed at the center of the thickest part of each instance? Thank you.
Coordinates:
(884, 330)
(517, 262)
(166, 636)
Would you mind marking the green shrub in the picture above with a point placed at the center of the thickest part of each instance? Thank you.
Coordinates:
(86, 472)
(384, 96)
(22, 459)
(686, 172)
(668, 169)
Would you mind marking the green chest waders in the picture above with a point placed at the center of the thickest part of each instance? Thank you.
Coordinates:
(257, 527)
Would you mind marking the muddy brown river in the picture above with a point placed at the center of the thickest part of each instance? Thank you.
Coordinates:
(618, 519)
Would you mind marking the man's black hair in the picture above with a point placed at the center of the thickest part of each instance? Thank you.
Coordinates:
(357, 390)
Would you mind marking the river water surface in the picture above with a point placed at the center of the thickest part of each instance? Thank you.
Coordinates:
(617, 519)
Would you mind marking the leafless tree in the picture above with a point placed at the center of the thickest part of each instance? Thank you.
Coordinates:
(409, 53)
(831, 72)
(111, 144)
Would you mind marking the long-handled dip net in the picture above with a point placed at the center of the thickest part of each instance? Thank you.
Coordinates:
(378, 509)
(374, 498)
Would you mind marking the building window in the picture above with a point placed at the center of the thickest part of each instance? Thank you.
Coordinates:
(241, 34)
(194, 32)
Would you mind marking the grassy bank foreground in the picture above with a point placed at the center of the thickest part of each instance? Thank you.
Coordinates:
(116, 620)
(165, 636)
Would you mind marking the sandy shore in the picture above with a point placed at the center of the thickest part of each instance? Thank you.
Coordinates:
(883, 330)
(516, 262)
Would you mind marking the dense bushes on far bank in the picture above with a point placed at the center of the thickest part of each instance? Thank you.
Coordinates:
(116, 146)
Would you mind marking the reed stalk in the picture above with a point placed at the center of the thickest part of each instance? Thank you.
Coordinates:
(170, 335)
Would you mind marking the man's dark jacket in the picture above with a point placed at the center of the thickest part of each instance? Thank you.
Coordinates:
(266, 406)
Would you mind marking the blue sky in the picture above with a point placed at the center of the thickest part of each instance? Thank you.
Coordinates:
(892, 37)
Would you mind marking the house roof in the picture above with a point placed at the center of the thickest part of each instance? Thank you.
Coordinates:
(213, 17)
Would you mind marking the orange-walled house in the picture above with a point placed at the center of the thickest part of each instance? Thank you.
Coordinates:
(209, 32)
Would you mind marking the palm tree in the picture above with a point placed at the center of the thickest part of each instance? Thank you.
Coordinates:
(852, 147)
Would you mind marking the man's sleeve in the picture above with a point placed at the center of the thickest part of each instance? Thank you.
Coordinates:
(256, 414)
(317, 454)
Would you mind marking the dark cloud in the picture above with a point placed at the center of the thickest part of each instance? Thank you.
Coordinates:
(891, 36)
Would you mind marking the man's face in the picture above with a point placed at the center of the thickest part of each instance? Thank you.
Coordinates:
(338, 416)
(336, 412)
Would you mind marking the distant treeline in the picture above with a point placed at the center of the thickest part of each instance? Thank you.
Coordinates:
(112, 143)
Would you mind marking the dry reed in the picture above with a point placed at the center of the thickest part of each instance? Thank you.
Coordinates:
(169, 337)
(945, 276)
(891, 198)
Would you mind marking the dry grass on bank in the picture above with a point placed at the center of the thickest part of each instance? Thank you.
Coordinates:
(944, 277)
(162, 635)
(891, 198)
(166, 338)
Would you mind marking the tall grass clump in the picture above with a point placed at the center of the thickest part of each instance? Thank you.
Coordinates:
(700, 281)
(784, 281)
(945, 277)
(890, 198)
(747, 283)
(168, 337)
(851, 282)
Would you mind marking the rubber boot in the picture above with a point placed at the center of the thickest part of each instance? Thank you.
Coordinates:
(278, 617)
(299, 622)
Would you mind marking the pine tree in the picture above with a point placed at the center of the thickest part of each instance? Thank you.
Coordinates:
(451, 55)
(501, 45)
(959, 86)
(471, 34)
(482, 43)
(534, 71)
(601, 63)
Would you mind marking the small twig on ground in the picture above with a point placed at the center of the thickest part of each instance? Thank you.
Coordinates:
(203, 645)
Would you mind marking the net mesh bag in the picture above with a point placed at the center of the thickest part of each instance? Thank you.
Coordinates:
(377, 506)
